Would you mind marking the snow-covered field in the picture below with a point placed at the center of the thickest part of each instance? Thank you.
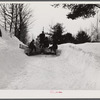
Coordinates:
(77, 67)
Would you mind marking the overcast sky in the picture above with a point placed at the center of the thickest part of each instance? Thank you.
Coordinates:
(45, 15)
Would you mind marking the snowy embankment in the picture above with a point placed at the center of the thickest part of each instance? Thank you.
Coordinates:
(10, 61)
(84, 62)
(77, 67)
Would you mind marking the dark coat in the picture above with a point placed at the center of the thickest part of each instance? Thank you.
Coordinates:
(32, 46)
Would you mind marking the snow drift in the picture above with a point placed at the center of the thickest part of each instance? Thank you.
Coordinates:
(85, 62)
(10, 61)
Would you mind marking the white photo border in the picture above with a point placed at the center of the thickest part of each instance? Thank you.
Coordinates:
(50, 94)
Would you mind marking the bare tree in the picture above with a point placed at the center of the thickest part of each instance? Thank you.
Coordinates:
(24, 16)
(16, 18)
(12, 15)
(3, 15)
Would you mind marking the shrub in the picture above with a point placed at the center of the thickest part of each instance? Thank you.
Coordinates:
(82, 37)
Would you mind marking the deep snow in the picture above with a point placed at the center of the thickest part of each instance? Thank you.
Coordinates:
(77, 67)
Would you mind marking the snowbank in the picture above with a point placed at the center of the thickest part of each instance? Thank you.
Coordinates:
(94, 48)
(85, 62)
(10, 40)
(12, 59)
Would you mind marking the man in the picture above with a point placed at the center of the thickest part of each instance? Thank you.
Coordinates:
(46, 42)
(32, 47)
(54, 48)
(42, 38)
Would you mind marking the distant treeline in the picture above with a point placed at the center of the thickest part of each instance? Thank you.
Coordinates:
(57, 32)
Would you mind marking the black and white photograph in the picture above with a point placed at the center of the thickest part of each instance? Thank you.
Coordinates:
(49, 46)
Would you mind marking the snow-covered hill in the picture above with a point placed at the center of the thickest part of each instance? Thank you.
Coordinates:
(10, 61)
(77, 67)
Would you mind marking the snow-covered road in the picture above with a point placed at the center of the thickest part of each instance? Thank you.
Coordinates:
(73, 69)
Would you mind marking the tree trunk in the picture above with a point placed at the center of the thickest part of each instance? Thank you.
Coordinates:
(5, 20)
(12, 16)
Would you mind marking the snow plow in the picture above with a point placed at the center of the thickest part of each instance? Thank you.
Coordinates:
(39, 50)
(40, 46)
